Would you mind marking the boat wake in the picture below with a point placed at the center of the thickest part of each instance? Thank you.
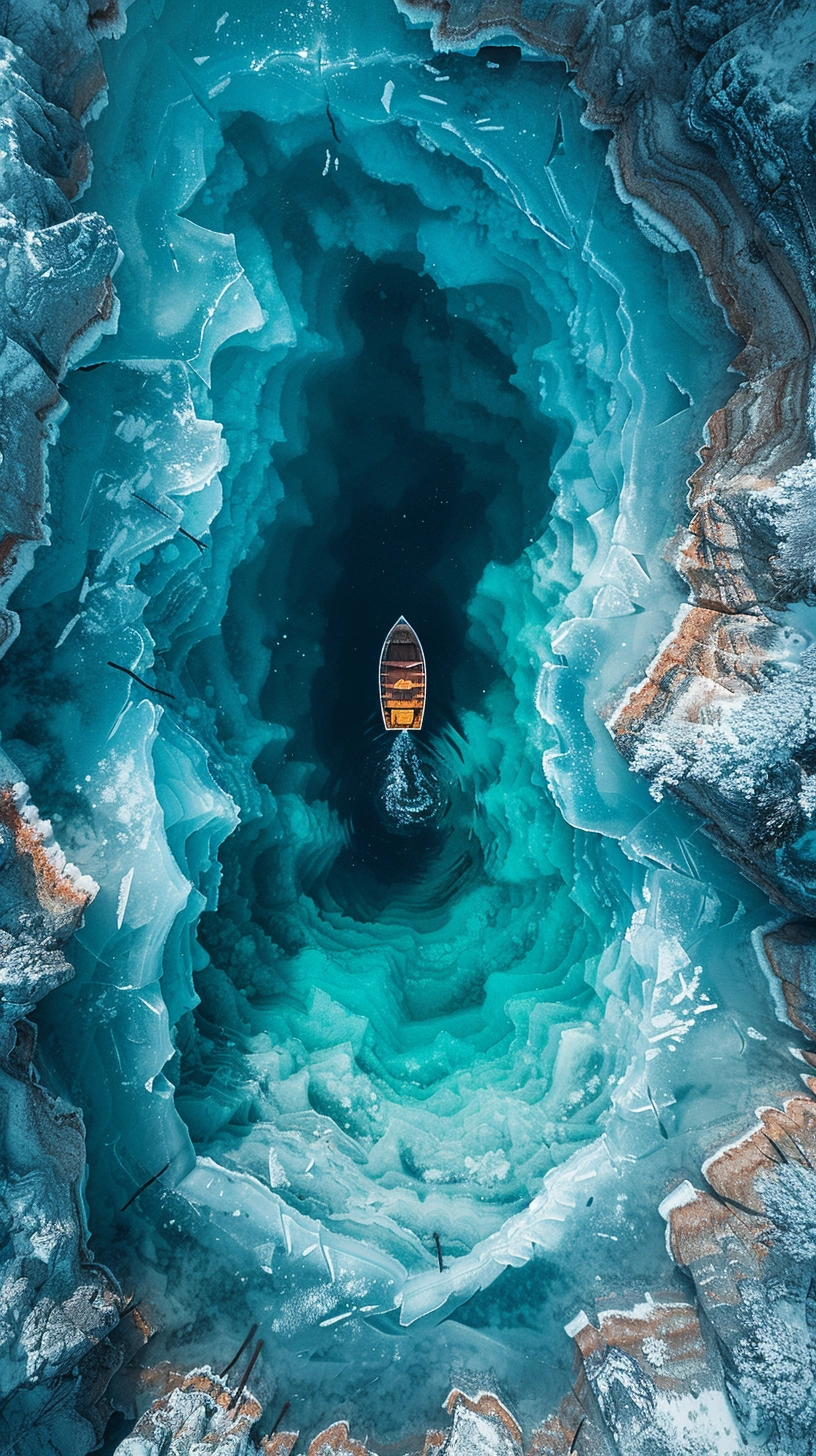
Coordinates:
(410, 792)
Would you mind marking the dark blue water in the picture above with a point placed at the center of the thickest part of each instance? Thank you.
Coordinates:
(414, 476)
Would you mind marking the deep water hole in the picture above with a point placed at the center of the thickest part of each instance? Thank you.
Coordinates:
(418, 463)
(389, 516)
(397, 1009)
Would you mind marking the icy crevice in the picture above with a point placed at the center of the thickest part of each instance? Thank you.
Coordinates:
(159, 536)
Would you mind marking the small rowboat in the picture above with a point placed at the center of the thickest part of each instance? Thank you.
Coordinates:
(402, 679)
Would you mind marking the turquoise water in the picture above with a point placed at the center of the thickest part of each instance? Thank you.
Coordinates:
(427, 993)
(377, 356)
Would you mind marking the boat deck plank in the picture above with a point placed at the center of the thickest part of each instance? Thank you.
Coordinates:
(402, 679)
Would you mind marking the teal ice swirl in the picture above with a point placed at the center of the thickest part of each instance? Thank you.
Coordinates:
(375, 356)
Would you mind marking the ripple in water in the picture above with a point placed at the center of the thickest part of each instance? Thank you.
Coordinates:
(410, 792)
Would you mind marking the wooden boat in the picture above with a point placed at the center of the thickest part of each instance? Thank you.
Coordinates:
(402, 679)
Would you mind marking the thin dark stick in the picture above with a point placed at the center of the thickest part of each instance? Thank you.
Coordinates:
(799, 1148)
(735, 1204)
(658, 1119)
(331, 121)
(140, 680)
(236, 1357)
(577, 1434)
(202, 545)
(152, 506)
(245, 1377)
(135, 1195)
(783, 1156)
(439, 1253)
(284, 1408)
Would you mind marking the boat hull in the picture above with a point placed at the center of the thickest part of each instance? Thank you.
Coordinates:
(402, 679)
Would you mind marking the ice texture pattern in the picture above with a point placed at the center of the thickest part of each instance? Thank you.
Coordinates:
(389, 1051)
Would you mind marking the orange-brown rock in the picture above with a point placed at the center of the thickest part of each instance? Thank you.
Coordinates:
(336, 1441)
(712, 658)
(281, 1443)
(485, 1404)
(201, 1407)
(791, 951)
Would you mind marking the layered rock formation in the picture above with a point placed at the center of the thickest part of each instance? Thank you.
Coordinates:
(200, 1413)
(666, 1376)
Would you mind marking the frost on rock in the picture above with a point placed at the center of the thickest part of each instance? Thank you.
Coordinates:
(199, 1416)
(746, 766)
(748, 1246)
(668, 1376)
(57, 1308)
(647, 1386)
(203, 1414)
(42, 898)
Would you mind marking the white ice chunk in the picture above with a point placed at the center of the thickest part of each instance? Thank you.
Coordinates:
(684, 1193)
(124, 896)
